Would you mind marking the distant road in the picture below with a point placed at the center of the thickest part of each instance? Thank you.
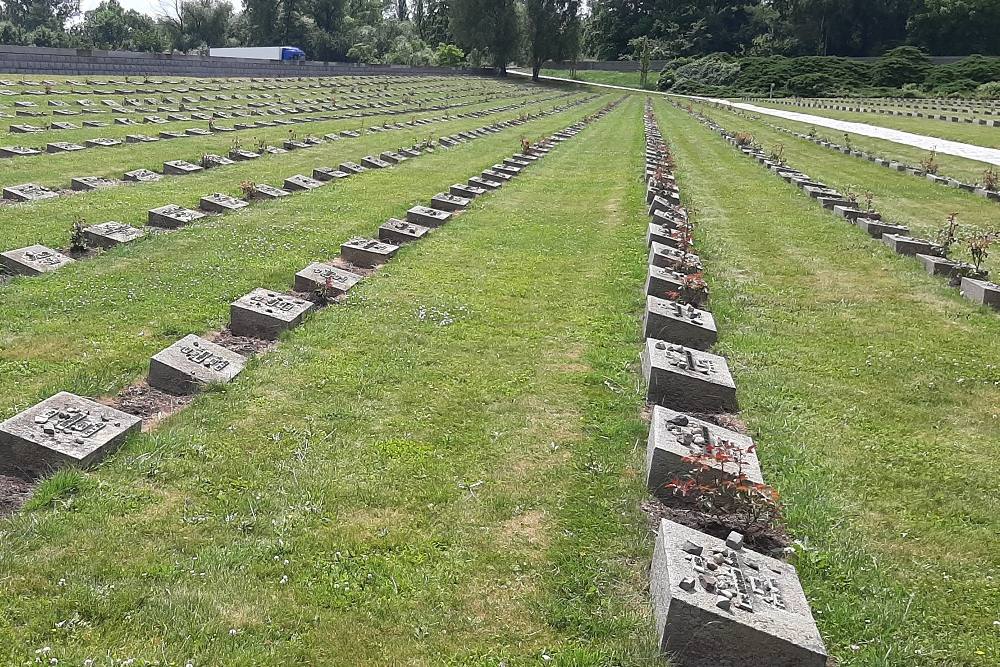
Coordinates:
(945, 146)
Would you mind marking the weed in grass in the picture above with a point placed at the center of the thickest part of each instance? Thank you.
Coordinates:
(60, 488)
(77, 239)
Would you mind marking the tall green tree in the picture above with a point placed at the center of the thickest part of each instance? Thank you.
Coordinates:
(491, 26)
(550, 28)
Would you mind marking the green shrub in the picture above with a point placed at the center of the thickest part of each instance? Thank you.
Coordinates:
(812, 85)
(717, 69)
(960, 88)
(906, 64)
(668, 78)
(989, 91)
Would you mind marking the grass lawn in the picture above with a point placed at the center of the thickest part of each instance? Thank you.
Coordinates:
(383, 488)
(969, 134)
(629, 79)
(915, 202)
(872, 391)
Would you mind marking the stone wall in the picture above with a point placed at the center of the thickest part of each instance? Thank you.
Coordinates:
(81, 62)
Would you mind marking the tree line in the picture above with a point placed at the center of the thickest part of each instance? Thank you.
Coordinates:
(497, 32)
(407, 32)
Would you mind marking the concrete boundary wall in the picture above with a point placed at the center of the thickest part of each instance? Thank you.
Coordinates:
(77, 62)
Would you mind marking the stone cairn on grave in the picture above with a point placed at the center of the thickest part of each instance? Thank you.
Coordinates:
(972, 279)
(716, 602)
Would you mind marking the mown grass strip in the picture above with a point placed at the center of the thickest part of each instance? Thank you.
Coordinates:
(388, 488)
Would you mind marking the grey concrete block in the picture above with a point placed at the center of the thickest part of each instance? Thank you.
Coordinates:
(683, 378)
(192, 363)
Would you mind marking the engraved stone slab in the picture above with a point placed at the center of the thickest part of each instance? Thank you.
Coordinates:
(466, 191)
(661, 282)
(672, 321)
(63, 430)
(62, 147)
(675, 437)
(265, 191)
(506, 169)
(102, 143)
(191, 363)
(210, 161)
(674, 259)
(265, 314)
(241, 155)
(400, 231)
(326, 277)
(907, 245)
(367, 252)
(683, 378)
(180, 167)
(166, 134)
(23, 128)
(33, 260)
(428, 217)
(372, 162)
(17, 151)
(718, 606)
(110, 234)
(28, 192)
(485, 183)
(89, 183)
(876, 228)
(221, 203)
(392, 157)
(172, 216)
(329, 174)
(141, 176)
(494, 175)
(139, 139)
(300, 183)
(982, 292)
(448, 202)
(352, 168)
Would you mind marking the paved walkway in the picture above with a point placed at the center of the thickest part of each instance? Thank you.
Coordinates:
(956, 148)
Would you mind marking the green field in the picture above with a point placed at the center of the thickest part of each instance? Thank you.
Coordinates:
(628, 79)
(447, 467)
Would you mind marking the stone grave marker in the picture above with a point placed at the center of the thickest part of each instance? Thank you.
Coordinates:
(717, 604)
(22, 128)
(466, 191)
(173, 216)
(673, 321)
(241, 155)
(28, 192)
(33, 260)
(982, 292)
(427, 217)
(352, 168)
(392, 157)
(497, 176)
(366, 252)
(320, 276)
(445, 201)
(141, 176)
(210, 161)
(139, 139)
(110, 234)
(300, 183)
(17, 151)
(674, 259)
(907, 245)
(63, 430)
(265, 191)
(675, 437)
(329, 174)
(877, 228)
(192, 363)
(292, 144)
(62, 147)
(180, 168)
(372, 162)
(90, 183)
(265, 314)
(399, 232)
(221, 203)
(168, 134)
(683, 378)
(102, 142)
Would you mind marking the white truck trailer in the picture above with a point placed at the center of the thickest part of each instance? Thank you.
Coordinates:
(260, 52)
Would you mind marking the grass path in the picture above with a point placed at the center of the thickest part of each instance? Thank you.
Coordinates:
(384, 488)
(872, 391)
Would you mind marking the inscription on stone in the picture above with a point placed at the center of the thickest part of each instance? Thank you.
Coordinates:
(265, 314)
(301, 183)
(367, 252)
(33, 260)
(400, 231)
(678, 323)
(110, 234)
(172, 216)
(319, 276)
(683, 378)
(718, 604)
(141, 176)
(28, 192)
(180, 167)
(449, 202)
(88, 183)
(221, 203)
(427, 217)
(191, 363)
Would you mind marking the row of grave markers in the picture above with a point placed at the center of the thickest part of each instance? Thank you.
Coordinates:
(70, 430)
(894, 165)
(32, 192)
(716, 603)
(974, 286)
(37, 259)
(856, 108)
(230, 111)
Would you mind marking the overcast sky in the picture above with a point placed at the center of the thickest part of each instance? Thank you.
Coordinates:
(151, 7)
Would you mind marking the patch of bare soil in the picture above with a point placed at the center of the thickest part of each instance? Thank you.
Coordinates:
(151, 405)
(245, 345)
(14, 492)
(347, 266)
(771, 540)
